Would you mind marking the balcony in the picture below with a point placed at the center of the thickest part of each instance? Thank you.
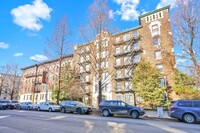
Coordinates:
(122, 53)
(126, 77)
(32, 75)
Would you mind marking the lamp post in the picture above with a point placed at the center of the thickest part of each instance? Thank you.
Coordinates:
(34, 88)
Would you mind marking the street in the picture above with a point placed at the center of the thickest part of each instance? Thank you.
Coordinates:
(22, 121)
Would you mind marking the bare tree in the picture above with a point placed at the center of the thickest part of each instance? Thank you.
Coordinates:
(186, 32)
(3, 76)
(57, 47)
(12, 82)
(98, 27)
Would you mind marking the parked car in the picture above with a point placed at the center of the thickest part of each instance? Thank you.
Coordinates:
(15, 103)
(48, 106)
(26, 106)
(185, 110)
(6, 104)
(74, 106)
(111, 107)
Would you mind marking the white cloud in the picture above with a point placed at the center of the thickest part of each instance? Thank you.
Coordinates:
(111, 14)
(180, 61)
(38, 58)
(29, 16)
(3, 45)
(163, 3)
(127, 10)
(18, 54)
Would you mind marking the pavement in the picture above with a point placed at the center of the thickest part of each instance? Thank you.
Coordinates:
(22, 121)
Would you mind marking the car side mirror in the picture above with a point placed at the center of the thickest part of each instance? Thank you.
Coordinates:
(126, 105)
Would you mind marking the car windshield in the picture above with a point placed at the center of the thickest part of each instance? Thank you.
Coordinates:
(80, 103)
(29, 103)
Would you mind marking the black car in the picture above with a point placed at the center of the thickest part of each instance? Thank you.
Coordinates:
(6, 104)
(111, 107)
(74, 106)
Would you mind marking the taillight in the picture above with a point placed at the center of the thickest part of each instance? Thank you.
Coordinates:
(173, 108)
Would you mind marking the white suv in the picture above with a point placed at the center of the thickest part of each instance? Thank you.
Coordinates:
(48, 106)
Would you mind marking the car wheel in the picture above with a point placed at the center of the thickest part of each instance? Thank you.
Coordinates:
(39, 109)
(28, 108)
(63, 110)
(19, 108)
(79, 111)
(189, 118)
(50, 109)
(106, 113)
(134, 114)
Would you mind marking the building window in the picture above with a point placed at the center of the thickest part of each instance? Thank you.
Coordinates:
(119, 85)
(128, 85)
(158, 54)
(127, 72)
(87, 48)
(128, 98)
(97, 44)
(119, 97)
(105, 43)
(87, 78)
(135, 33)
(147, 19)
(102, 65)
(118, 61)
(155, 29)
(127, 49)
(162, 82)
(81, 59)
(106, 63)
(97, 55)
(126, 37)
(156, 41)
(160, 67)
(118, 74)
(87, 68)
(136, 58)
(117, 39)
(118, 50)
(87, 57)
(136, 46)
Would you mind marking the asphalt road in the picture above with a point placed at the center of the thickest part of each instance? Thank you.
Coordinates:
(22, 121)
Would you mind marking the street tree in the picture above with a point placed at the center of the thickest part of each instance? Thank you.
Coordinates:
(98, 27)
(70, 85)
(3, 76)
(57, 48)
(186, 33)
(185, 86)
(146, 84)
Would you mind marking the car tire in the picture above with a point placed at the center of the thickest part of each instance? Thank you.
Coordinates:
(39, 109)
(189, 118)
(79, 111)
(134, 114)
(63, 110)
(106, 113)
(50, 109)
(19, 108)
(28, 108)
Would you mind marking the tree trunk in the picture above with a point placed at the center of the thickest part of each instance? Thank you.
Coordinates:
(59, 75)
(100, 92)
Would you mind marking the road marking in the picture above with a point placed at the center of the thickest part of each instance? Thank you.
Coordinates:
(22, 111)
(89, 125)
(56, 117)
(1, 117)
(167, 128)
(117, 127)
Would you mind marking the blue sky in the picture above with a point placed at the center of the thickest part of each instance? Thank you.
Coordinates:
(26, 24)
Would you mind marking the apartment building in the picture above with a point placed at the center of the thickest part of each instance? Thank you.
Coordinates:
(111, 58)
(114, 56)
(32, 88)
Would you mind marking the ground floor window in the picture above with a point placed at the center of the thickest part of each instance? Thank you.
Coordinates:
(128, 98)
(119, 96)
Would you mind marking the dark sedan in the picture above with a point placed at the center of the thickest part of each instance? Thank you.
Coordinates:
(111, 107)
